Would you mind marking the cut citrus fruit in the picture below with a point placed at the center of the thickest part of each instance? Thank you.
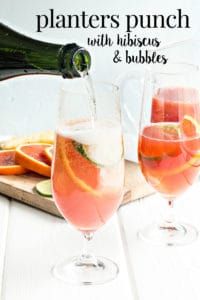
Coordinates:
(190, 127)
(48, 152)
(101, 154)
(44, 188)
(82, 172)
(8, 166)
(192, 162)
(31, 157)
(46, 137)
(101, 144)
(84, 151)
(158, 140)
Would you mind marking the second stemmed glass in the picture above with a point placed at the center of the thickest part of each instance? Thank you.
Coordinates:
(88, 171)
(169, 144)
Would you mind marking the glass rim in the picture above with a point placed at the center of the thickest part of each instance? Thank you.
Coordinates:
(182, 69)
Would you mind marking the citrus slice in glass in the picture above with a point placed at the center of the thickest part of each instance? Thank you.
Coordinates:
(190, 130)
(158, 140)
(174, 139)
(82, 172)
(190, 127)
(101, 155)
(85, 152)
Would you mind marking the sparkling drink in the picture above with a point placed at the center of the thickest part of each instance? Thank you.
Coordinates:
(88, 173)
(169, 145)
(169, 160)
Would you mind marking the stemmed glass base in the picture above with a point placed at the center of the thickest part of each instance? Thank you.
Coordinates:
(169, 234)
(86, 270)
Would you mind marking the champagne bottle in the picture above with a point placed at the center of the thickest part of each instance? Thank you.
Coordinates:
(22, 55)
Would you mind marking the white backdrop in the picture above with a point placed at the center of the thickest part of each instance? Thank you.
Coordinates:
(30, 103)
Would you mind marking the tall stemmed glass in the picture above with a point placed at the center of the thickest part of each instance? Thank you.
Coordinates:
(88, 171)
(169, 144)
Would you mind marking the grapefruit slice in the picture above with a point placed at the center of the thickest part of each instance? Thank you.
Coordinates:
(48, 152)
(31, 157)
(190, 127)
(82, 172)
(8, 166)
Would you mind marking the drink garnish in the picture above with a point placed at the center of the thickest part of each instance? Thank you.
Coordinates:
(69, 159)
(190, 127)
(161, 141)
(101, 155)
(152, 145)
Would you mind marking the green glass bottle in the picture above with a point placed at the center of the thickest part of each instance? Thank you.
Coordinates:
(22, 55)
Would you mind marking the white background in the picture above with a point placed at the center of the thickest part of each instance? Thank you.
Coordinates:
(31, 242)
(22, 15)
(37, 96)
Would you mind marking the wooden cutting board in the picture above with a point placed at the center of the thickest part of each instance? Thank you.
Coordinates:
(22, 188)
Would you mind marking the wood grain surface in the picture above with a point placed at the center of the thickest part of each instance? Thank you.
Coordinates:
(22, 188)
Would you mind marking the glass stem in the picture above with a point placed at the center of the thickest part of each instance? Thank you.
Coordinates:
(170, 213)
(87, 259)
(169, 219)
(88, 236)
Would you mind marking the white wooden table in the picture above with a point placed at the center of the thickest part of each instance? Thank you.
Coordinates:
(31, 242)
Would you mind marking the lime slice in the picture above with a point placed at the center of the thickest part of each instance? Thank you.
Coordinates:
(101, 143)
(44, 188)
(171, 129)
(150, 158)
(102, 155)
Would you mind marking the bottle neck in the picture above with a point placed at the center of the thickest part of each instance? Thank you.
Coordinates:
(73, 61)
(21, 55)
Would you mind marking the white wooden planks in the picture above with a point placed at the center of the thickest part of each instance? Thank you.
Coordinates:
(4, 218)
(36, 241)
(32, 241)
(22, 188)
(163, 272)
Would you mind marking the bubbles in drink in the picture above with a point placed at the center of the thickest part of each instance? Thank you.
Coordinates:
(91, 93)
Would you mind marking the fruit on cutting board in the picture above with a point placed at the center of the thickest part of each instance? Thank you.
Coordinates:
(8, 165)
(44, 188)
(32, 157)
(48, 152)
(46, 137)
